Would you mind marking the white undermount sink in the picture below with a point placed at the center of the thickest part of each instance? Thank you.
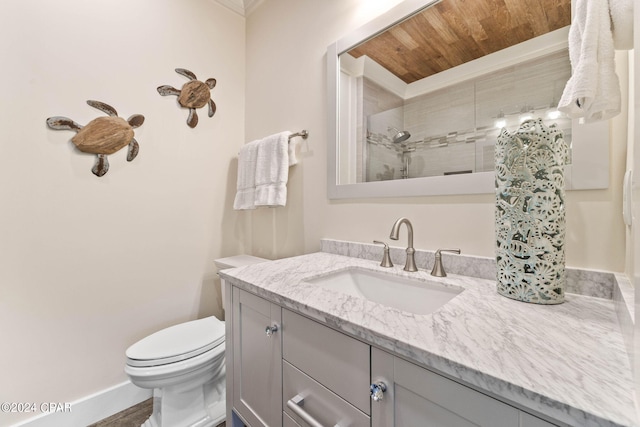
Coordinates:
(412, 295)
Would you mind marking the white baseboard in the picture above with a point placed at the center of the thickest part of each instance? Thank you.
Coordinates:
(93, 408)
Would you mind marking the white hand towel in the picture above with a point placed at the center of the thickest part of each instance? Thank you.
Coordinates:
(622, 23)
(293, 159)
(593, 91)
(246, 184)
(272, 170)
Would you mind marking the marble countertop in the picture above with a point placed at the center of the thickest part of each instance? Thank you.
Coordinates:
(566, 361)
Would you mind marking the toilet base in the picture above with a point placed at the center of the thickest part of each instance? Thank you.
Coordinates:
(204, 406)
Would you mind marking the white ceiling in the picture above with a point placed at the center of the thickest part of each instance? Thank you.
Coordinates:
(242, 7)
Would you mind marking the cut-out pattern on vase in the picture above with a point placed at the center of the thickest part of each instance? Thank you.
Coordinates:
(530, 213)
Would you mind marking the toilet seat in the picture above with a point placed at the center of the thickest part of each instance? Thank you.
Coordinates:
(177, 343)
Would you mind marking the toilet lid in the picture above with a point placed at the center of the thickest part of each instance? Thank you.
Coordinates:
(177, 343)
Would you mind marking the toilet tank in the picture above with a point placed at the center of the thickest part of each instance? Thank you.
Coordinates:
(232, 262)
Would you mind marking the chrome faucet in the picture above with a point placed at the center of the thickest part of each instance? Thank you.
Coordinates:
(410, 264)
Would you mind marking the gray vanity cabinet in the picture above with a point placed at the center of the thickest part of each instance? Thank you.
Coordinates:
(528, 420)
(257, 359)
(288, 370)
(416, 396)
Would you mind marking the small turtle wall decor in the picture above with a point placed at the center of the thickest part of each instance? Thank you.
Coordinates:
(194, 94)
(103, 135)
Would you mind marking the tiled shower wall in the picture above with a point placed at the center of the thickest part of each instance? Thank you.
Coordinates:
(459, 122)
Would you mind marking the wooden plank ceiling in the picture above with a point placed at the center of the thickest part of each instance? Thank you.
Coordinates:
(453, 32)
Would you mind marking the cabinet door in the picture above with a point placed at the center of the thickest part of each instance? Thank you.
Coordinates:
(527, 420)
(418, 397)
(257, 360)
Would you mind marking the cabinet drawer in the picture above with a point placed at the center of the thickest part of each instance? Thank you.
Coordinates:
(338, 362)
(287, 421)
(321, 405)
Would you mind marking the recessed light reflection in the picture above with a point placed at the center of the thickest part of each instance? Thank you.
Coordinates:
(553, 114)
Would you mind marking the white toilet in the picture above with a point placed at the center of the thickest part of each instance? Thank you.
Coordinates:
(185, 366)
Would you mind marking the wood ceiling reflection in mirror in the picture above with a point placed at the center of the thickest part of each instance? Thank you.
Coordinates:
(453, 32)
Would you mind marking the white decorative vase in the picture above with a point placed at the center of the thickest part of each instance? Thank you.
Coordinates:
(530, 215)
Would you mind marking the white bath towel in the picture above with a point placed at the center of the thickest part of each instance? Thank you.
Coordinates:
(593, 91)
(272, 170)
(622, 23)
(246, 184)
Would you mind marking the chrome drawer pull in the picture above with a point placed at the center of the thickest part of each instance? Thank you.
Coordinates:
(270, 330)
(377, 391)
(296, 403)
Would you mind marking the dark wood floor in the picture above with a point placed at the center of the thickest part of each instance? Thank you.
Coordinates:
(131, 417)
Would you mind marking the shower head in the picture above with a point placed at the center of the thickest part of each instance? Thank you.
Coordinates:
(400, 135)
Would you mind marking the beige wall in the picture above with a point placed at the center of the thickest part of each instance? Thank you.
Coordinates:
(90, 265)
(286, 84)
(633, 251)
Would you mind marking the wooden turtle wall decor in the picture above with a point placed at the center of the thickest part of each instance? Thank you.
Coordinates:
(194, 94)
(103, 135)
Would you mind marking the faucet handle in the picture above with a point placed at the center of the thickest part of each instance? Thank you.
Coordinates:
(438, 268)
(386, 259)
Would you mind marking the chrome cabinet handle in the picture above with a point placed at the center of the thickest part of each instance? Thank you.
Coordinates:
(377, 391)
(295, 404)
(270, 330)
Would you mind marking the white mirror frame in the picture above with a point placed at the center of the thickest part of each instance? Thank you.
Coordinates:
(590, 142)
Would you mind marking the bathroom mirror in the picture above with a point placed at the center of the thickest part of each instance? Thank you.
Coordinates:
(413, 113)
